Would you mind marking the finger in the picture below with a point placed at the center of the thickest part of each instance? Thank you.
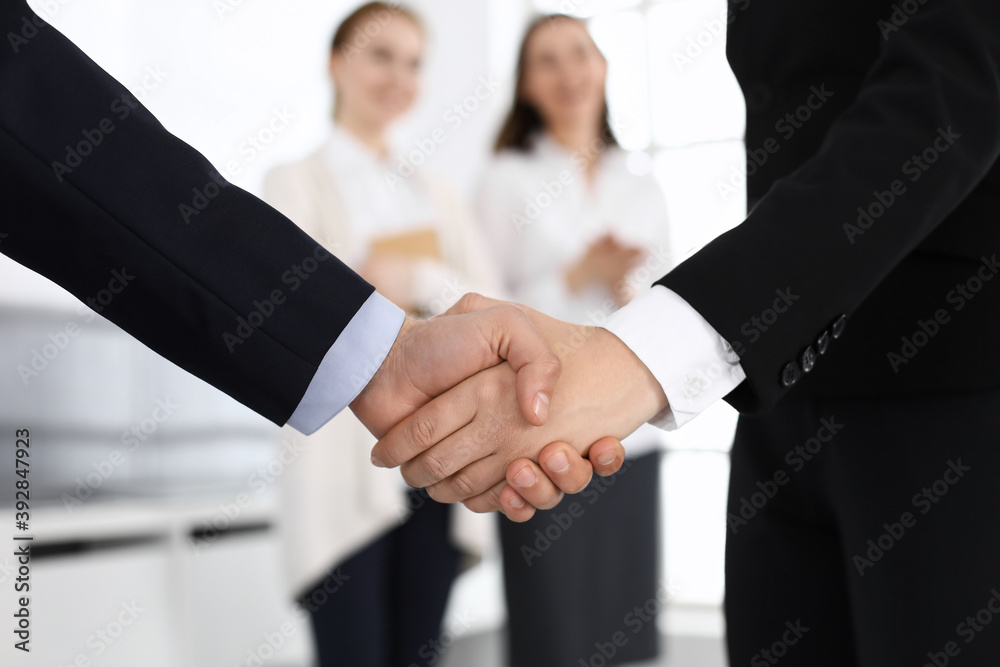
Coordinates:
(471, 480)
(514, 506)
(472, 302)
(418, 434)
(564, 466)
(532, 484)
(489, 501)
(607, 456)
(509, 330)
(502, 498)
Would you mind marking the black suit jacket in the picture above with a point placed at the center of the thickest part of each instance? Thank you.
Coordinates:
(915, 108)
(91, 184)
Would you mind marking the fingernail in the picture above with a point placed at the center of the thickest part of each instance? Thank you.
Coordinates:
(607, 457)
(517, 502)
(557, 462)
(377, 462)
(524, 478)
(540, 406)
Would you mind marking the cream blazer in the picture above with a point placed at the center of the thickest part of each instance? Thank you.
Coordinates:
(334, 501)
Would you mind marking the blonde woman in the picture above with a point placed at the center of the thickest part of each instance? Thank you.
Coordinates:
(370, 559)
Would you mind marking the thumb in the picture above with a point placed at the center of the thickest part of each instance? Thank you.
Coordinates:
(508, 329)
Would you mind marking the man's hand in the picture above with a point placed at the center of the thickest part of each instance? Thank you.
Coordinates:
(459, 445)
(430, 357)
(561, 469)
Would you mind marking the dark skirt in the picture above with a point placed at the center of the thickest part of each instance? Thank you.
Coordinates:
(582, 579)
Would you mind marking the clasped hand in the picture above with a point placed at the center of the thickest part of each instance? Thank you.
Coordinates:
(468, 404)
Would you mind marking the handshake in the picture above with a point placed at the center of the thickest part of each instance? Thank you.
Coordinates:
(496, 405)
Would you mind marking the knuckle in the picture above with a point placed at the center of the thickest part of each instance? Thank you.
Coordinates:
(514, 312)
(434, 467)
(422, 432)
(482, 504)
(468, 302)
(463, 485)
(488, 501)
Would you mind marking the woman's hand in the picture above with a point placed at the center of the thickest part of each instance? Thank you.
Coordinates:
(606, 262)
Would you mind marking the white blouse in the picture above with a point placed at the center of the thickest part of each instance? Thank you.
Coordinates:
(335, 500)
(375, 205)
(540, 214)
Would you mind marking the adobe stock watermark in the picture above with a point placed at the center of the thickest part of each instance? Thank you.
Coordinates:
(107, 635)
(655, 264)
(902, 12)
(792, 635)
(360, 380)
(550, 190)
(130, 440)
(923, 501)
(271, 643)
(637, 618)
(913, 169)
(332, 583)
(43, 356)
(560, 522)
(454, 118)
(714, 29)
(32, 25)
(90, 140)
(120, 109)
(434, 649)
(363, 34)
(786, 127)
(293, 279)
(796, 459)
(957, 298)
(252, 146)
(967, 630)
(451, 291)
(758, 325)
(259, 481)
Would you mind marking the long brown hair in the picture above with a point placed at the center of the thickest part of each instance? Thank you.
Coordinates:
(368, 20)
(524, 121)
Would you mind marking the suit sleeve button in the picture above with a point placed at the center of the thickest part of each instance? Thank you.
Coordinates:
(790, 374)
(838, 327)
(808, 359)
(823, 342)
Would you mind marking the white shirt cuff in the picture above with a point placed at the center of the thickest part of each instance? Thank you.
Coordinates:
(349, 364)
(694, 365)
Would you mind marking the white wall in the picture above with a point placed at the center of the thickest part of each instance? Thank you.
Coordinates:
(215, 72)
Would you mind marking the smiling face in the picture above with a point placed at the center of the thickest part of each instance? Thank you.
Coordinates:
(564, 73)
(377, 78)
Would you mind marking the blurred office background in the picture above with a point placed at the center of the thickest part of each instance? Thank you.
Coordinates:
(154, 514)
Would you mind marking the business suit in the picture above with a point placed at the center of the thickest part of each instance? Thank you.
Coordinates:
(816, 298)
(74, 144)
